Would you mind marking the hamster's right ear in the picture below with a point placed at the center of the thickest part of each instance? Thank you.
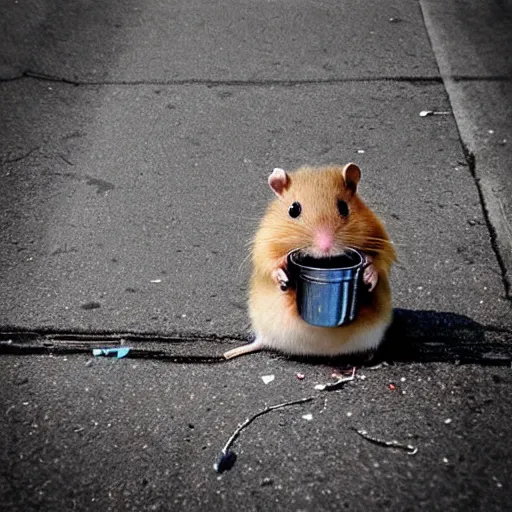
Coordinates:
(351, 175)
(278, 181)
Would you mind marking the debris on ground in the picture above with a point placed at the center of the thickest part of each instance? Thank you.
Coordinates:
(336, 385)
(377, 366)
(425, 113)
(227, 457)
(118, 352)
(267, 378)
(409, 448)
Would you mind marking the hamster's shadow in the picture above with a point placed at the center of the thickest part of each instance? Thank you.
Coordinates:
(434, 336)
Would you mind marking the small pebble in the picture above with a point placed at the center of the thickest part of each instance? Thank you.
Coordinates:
(447, 421)
(266, 482)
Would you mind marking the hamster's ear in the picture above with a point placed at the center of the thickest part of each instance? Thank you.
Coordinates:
(351, 175)
(278, 181)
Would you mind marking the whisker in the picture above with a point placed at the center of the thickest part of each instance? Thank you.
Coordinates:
(244, 261)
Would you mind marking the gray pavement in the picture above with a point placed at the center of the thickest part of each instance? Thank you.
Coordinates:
(144, 435)
(136, 140)
(476, 67)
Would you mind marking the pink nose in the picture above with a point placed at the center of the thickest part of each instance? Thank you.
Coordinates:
(324, 241)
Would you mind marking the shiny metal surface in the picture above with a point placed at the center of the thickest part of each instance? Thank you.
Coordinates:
(327, 288)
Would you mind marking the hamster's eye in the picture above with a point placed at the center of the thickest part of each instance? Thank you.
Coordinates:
(294, 210)
(343, 208)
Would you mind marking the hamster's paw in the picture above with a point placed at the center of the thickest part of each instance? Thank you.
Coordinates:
(370, 275)
(280, 277)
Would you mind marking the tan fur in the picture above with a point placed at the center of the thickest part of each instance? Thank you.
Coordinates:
(273, 313)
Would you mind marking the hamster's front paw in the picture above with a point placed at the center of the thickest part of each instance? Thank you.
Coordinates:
(370, 275)
(280, 277)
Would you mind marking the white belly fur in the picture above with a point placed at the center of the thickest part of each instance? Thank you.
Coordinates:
(323, 341)
(279, 330)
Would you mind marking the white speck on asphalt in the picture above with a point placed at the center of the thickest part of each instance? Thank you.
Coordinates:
(267, 378)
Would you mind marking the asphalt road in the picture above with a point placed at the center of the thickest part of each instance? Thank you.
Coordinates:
(107, 434)
(472, 43)
(136, 141)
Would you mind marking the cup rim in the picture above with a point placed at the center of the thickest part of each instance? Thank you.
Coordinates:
(294, 252)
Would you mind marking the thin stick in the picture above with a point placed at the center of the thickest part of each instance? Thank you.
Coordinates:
(227, 458)
(248, 421)
(409, 448)
(335, 385)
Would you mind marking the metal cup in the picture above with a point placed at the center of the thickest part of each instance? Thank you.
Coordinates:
(327, 288)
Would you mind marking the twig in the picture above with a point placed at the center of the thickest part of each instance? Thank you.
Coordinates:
(227, 458)
(335, 385)
(409, 448)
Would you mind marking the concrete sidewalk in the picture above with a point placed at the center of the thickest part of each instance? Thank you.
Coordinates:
(137, 138)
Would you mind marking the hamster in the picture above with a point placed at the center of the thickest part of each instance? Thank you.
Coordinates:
(318, 211)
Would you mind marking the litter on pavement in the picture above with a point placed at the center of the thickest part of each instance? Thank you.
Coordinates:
(409, 448)
(425, 113)
(118, 352)
(336, 385)
(227, 458)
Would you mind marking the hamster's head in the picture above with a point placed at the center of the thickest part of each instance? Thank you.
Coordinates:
(318, 211)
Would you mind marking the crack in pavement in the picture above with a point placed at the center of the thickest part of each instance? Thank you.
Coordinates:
(493, 235)
(258, 83)
(19, 158)
(449, 82)
(406, 341)
(214, 83)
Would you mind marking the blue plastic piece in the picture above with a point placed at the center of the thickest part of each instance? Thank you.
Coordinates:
(119, 352)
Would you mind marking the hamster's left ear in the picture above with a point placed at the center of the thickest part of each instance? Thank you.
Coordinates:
(351, 175)
(278, 181)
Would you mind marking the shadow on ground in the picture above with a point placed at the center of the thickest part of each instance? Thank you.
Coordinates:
(437, 336)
